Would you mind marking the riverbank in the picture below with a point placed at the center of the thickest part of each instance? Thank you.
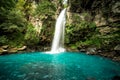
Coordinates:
(114, 55)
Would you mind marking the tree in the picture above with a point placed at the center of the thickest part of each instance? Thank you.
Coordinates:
(12, 21)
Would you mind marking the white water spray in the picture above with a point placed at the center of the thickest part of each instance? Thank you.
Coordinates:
(58, 40)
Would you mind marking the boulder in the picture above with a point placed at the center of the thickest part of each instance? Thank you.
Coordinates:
(22, 48)
(2, 50)
(117, 58)
(117, 47)
(82, 50)
(5, 46)
(91, 50)
(12, 50)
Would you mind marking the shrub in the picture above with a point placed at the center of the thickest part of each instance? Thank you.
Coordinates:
(31, 36)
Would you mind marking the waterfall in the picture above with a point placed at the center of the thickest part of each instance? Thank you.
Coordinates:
(58, 40)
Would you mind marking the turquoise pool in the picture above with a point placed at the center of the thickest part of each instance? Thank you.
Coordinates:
(62, 66)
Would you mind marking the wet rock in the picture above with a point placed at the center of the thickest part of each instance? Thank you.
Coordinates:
(82, 50)
(99, 51)
(12, 50)
(71, 50)
(22, 48)
(117, 49)
(91, 50)
(116, 58)
(2, 50)
(46, 48)
(5, 47)
(108, 54)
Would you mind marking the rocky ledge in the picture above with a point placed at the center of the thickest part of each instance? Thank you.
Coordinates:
(112, 54)
(7, 49)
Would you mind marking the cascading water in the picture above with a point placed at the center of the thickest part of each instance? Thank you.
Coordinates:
(58, 40)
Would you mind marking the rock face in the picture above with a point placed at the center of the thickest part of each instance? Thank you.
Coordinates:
(102, 12)
(100, 20)
(105, 15)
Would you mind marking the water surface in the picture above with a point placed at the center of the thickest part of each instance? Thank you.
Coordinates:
(63, 66)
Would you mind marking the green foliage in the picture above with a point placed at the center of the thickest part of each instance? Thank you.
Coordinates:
(7, 4)
(31, 35)
(15, 29)
(45, 12)
(5, 8)
(16, 39)
(79, 31)
(20, 5)
(3, 40)
(115, 24)
(12, 23)
(86, 25)
(86, 34)
(29, 9)
(45, 9)
(15, 18)
(12, 18)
